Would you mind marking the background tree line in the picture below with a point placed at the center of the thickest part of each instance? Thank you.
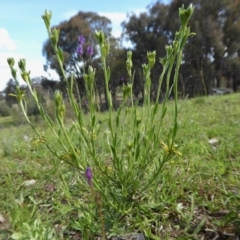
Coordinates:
(211, 58)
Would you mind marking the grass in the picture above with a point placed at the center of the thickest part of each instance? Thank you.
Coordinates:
(198, 197)
(6, 121)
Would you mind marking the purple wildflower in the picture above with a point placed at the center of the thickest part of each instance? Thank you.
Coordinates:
(81, 40)
(90, 50)
(89, 175)
(79, 49)
(123, 81)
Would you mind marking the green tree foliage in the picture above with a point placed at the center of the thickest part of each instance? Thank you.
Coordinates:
(10, 89)
(147, 32)
(84, 23)
(213, 53)
(211, 58)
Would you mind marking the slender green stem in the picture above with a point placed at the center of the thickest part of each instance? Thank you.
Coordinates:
(109, 101)
(71, 145)
(165, 67)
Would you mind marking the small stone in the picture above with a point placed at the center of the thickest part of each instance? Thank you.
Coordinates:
(2, 220)
(4, 223)
(213, 141)
(131, 236)
(29, 183)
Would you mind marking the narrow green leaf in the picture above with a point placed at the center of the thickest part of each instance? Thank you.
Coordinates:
(110, 124)
(113, 149)
(108, 73)
(117, 121)
(60, 54)
(155, 109)
(175, 128)
(164, 112)
(93, 120)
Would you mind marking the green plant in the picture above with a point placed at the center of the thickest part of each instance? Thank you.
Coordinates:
(136, 149)
(35, 231)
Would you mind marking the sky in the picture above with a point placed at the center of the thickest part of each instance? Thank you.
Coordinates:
(22, 31)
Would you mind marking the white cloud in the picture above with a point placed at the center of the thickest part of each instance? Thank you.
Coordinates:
(116, 32)
(117, 18)
(7, 50)
(5, 41)
(70, 14)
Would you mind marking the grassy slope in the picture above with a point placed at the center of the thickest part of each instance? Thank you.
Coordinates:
(200, 193)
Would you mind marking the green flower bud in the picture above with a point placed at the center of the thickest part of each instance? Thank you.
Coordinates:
(129, 54)
(91, 72)
(22, 65)
(55, 36)
(175, 45)
(163, 61)
(138, 120)
(60, 107)
(26, 76)
(151, 58)
(58, 98)
(86, 77)
(129, 63)
(145, 70)
(129, 145)
(100, 37)
(185, 14)
(11, 62)
(169, 50)
(177, 35)
(47, 19)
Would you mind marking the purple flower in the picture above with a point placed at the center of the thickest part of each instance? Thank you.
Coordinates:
(79, 49)
(81, 40)
(89, 175)
(123, 80)
(90, 50)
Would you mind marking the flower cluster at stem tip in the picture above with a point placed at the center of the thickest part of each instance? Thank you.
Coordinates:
(81, 41)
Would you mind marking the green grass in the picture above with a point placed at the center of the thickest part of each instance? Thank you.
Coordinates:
(198, 196)
(6, 120)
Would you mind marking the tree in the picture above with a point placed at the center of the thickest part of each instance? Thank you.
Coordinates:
(217, 42)
(147, 32)
(8, 91)
(209, 57)
(84, 23)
